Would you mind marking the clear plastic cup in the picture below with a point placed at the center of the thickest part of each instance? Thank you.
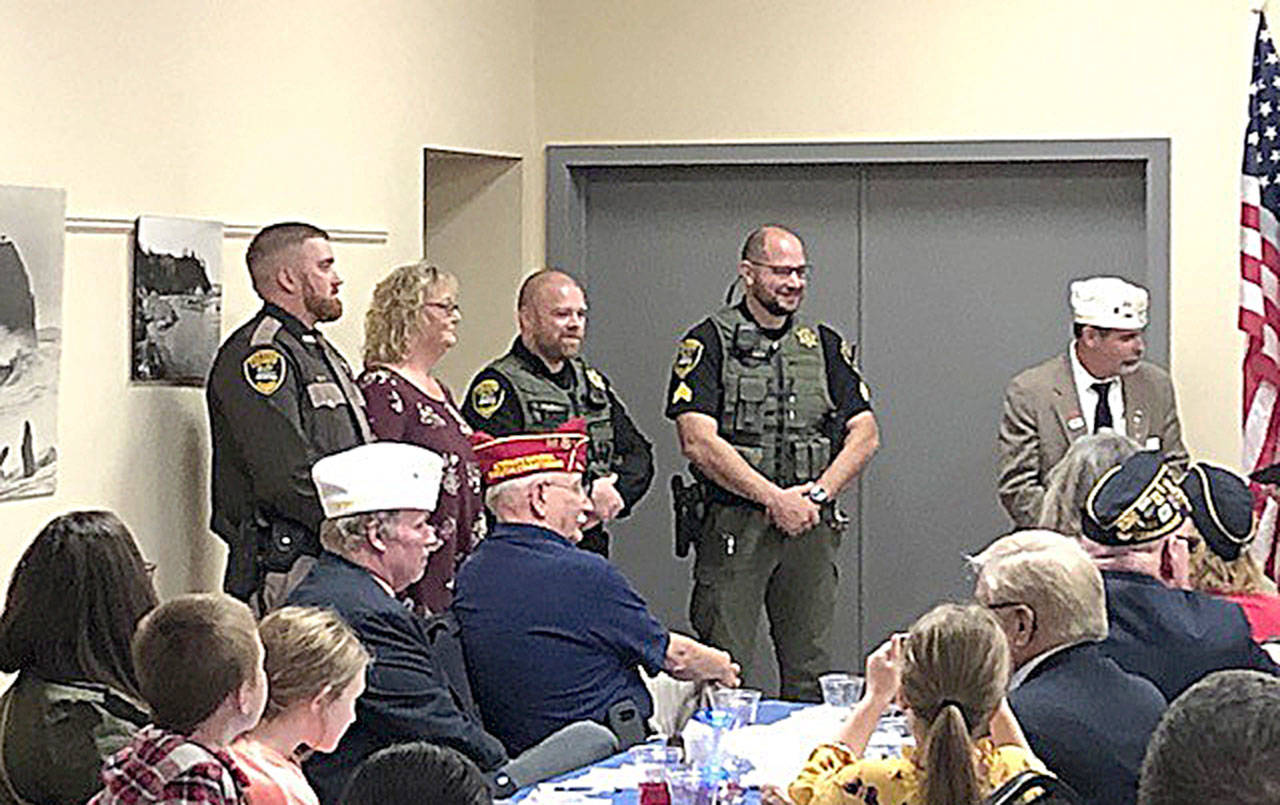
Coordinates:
(743, 704)
(840, 689)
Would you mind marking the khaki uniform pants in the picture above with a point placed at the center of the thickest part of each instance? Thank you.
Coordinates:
(744, 563)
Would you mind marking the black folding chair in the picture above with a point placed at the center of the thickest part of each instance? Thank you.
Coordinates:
(1052, 791)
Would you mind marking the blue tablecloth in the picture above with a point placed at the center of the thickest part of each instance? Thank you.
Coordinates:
(769, 712)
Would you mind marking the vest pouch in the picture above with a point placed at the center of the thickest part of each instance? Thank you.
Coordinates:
(810, 458)
(755, 456)
(748, 412)
(547, 413)
(600, 446)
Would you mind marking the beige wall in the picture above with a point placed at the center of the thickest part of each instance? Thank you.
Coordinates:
(245, 112)
(250, 112)
(867, 70)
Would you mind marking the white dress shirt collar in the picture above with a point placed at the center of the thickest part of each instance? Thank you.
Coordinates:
(1088, 398)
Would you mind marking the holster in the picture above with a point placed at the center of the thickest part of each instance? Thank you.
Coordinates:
(267, 544)
(690, 506)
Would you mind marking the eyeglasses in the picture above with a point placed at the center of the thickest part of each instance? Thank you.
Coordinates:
(802, 271)
(448, 308)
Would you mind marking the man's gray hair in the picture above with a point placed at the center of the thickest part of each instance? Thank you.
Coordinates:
(1054, 576)
(501, 496)
(346, 535)
(1217, 744)
(1067, 484)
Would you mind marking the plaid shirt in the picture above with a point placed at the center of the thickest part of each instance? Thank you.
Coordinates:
(166, 767)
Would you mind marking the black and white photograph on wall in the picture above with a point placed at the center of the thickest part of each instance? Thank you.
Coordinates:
(177, 299)
(32, 229)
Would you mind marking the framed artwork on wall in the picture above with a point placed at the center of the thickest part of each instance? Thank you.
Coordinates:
(177, 299)
(32, 232)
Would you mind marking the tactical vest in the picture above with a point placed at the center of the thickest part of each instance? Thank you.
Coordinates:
(777, 406)
(545, 406)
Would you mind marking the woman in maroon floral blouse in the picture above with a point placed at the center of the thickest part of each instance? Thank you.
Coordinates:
(411, 323)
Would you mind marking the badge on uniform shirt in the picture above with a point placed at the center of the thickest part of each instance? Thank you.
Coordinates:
(264, 370)
(682, 393)
(807, 337)
(487, 397)
(687, 356)
(594, 378)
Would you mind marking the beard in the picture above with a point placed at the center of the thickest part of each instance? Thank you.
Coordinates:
(556, 348)
(324, 308)
(774, 303)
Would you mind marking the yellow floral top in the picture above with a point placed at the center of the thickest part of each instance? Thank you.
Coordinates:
(836, 776)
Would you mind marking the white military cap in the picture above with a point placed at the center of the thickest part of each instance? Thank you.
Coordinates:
(1109, 302)
(380, 476)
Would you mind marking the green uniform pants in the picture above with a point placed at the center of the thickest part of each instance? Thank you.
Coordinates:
(743, 563)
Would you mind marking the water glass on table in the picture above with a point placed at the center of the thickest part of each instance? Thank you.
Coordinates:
(742, 705)
(841, 690)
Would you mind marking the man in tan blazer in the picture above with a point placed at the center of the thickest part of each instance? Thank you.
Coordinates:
(1100, 382)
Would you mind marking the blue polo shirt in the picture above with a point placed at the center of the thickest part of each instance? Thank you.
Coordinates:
(553, 634)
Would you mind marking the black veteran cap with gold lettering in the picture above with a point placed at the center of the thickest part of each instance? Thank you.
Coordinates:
(1222, 508)
(1138, 501)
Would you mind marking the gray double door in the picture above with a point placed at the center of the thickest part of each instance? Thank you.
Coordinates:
(949, 277)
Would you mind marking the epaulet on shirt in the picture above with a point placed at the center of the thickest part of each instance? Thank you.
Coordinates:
(265, 332)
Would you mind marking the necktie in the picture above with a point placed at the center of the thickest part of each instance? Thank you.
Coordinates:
(1102, 414)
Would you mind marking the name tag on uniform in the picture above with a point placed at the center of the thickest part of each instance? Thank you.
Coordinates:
(325, 395)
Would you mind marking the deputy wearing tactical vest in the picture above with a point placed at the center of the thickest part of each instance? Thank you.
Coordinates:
(280, 397)
(541, 383)
(775, 421)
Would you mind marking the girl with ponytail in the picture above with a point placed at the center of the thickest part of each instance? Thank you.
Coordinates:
(950, 673)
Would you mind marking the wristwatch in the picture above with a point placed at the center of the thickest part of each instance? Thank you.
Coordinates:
(818, 495)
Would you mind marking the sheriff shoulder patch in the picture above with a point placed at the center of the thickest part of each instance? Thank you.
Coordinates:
(594, 378)
(687, 356)
(264, 370)
(846, 352)
(807, 337)
(487, 397)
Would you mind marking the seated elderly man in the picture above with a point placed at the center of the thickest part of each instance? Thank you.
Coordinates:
(377, 498)
(1086, 717)
(1218, 744)
(553, 633)
(1134, 520)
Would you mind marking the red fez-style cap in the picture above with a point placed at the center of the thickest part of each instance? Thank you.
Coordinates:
(505, 458)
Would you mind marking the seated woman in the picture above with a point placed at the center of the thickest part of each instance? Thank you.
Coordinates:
(74, 599)
(1222, 515)
(315, 669)
(950, 672)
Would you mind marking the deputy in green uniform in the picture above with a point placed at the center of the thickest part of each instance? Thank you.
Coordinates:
(775, 421)
(542, 382)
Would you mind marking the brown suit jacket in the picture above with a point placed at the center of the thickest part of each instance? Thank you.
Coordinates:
(1042, 417)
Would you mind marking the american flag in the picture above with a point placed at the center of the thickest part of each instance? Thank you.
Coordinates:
(1260, 280)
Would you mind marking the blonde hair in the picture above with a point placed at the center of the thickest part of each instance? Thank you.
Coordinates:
(1067, 484)
(392, 320)
(1213, 574)
(309, 652)
(955, 673)
(1054, 576)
